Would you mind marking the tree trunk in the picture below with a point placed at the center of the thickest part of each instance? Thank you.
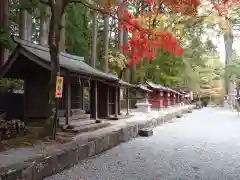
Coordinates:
(125, 42)
(132, 70)
(57, 9)
(106, 41)
(63, 35)
(228, 41)
(44, 25)
(94, 39)
(3, 26)
(25, 24)
(120, 31)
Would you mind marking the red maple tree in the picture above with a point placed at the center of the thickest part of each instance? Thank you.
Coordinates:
(145, 42)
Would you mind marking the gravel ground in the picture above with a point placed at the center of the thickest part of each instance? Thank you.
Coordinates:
(203, 145)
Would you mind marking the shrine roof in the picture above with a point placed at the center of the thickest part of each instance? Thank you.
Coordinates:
(72, 63)
(162, 88)
(156, 86)
(144, 88)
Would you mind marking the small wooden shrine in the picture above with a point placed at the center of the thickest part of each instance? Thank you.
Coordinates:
(31, 63)
(158, 96)
(162, 97)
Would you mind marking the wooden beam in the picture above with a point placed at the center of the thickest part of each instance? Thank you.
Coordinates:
(107, 101)
(119, 100)
(116, 101)
(68, 99)
(82, 96)
(127, 89)
(96, 99)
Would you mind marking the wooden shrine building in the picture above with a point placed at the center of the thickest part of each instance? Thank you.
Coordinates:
(162, 97)
(31, 63)
(159, 96)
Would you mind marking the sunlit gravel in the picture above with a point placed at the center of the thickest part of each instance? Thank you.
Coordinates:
(203, 145)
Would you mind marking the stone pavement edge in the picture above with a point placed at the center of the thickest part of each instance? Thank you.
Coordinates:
(66, 155)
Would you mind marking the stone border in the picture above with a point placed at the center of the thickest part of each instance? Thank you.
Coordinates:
(69, 154)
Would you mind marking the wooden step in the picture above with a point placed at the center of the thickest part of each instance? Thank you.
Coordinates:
(80, 117)
(77, 123)
(77, 111)
(86, 128)
(112, 117)
(62, 112)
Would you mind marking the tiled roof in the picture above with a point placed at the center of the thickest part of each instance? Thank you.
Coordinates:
(68, 61)
(163, 88)
(142, 87)
(156, 86)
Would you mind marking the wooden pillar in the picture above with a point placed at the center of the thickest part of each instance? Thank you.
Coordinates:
(25, 98)
(116, 101)
(127, 93)
(107, 101)
(168, 99)
(119, 100)
(174, 99)
(82, 97)
(68, 99)
(94, 100)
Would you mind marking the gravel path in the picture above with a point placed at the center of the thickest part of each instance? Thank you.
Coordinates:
(204, 145)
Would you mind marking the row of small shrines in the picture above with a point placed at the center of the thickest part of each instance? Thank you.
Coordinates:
(31, 63)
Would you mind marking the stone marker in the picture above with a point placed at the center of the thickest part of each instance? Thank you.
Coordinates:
(179, 115)
(145, 132)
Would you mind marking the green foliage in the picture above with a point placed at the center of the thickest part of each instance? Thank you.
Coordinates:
(6, 39)
(233, 69)
(11, 83)
(117, 61)
(78, 30)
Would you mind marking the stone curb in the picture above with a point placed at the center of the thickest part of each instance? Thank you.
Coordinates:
(69, 154)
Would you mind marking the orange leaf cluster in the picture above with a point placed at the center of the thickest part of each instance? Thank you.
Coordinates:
(145, 43)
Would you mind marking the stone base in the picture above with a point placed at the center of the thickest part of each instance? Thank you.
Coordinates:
(145, 132)
(62, 156)
(179, 115)
(189, 111)
(143, 106)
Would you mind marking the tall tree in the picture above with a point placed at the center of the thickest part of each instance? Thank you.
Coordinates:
(106, 41)
(3, 30)
(94, 39)
(55, 27)
(25, 21)
(63, 34)
(44, 24)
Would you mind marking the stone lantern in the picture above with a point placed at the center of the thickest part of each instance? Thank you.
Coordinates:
(142, 99)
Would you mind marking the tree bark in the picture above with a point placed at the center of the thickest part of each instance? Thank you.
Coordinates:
(125, 42)
(57, 9)
(120, 31)
(94, 39)
(44, 25)
(228, 41)
(3, 26)
(63, 35)
(106, 42)
(25, 24)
